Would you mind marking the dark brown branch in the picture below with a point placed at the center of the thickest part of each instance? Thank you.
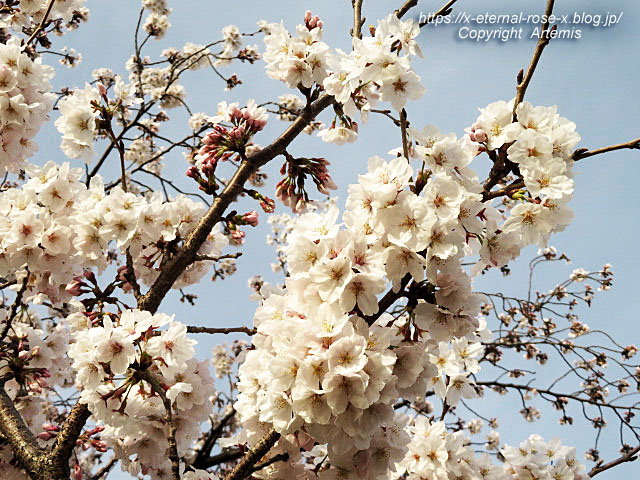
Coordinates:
(69, 433)
(627, 457)
(543, 41)
(408, 5)
(281, 457)
(210, 441)
(212, 330)
(253, 456)
(222, 457)
(152, 299)
(23, 444)
(508, 191)
(443, 12)
(585, 153)
(403, 130)
(389, 299)
(14, 307)
(105, 470)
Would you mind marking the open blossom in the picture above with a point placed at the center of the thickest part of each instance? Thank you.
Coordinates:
(78, 122)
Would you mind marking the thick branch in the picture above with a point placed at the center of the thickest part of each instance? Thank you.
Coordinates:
(151, 300)
(212, 437)
(71, 429)
(253, 456)
(23, 443)
(584, 153)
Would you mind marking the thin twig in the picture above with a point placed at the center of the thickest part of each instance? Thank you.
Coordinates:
(443, 12)
(584, 153)
(14, 307)
(104, 470)
(543, 41)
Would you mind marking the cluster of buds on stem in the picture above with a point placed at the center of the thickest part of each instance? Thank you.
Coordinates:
(312, 22)
(224, 142)
(291, 189)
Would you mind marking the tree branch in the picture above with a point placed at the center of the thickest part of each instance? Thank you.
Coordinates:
(172, 270)
(581, 153)
(408, 5)
(244, 467)
(213, 330)
(627, 457)
(443, 12)
(357, 19)
(543, 41)
(23, 443)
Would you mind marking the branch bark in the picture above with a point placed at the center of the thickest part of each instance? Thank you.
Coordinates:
(627, 457)
(543, 41)
(245, 466)
(152, 299)
(585, 153)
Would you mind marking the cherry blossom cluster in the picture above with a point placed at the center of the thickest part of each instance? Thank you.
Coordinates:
(438, 454)
(114, 364)
(336, 366)
(55, 226)
(30, 12)
(377, 68)
(82, 112)
(25, 102)
(540, 146)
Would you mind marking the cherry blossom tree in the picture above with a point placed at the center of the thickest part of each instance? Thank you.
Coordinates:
(363, 362)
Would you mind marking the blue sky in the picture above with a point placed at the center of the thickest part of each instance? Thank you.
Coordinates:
(593, 80)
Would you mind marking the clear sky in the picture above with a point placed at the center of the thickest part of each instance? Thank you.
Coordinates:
(593, 80)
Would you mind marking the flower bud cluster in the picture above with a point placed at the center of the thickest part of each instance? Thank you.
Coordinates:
(225, 141)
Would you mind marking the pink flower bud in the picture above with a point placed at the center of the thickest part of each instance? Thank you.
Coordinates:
(480, 135)
(237, 237)
(251, 218)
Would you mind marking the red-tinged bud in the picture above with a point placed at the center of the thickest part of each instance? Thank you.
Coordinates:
(89, 275)
(268, 205)
(46, 436)
(193, 172)
(77, 472)
(237, 237)
(102, 90)
(74, 288)
(251, 218)
(208, 169)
